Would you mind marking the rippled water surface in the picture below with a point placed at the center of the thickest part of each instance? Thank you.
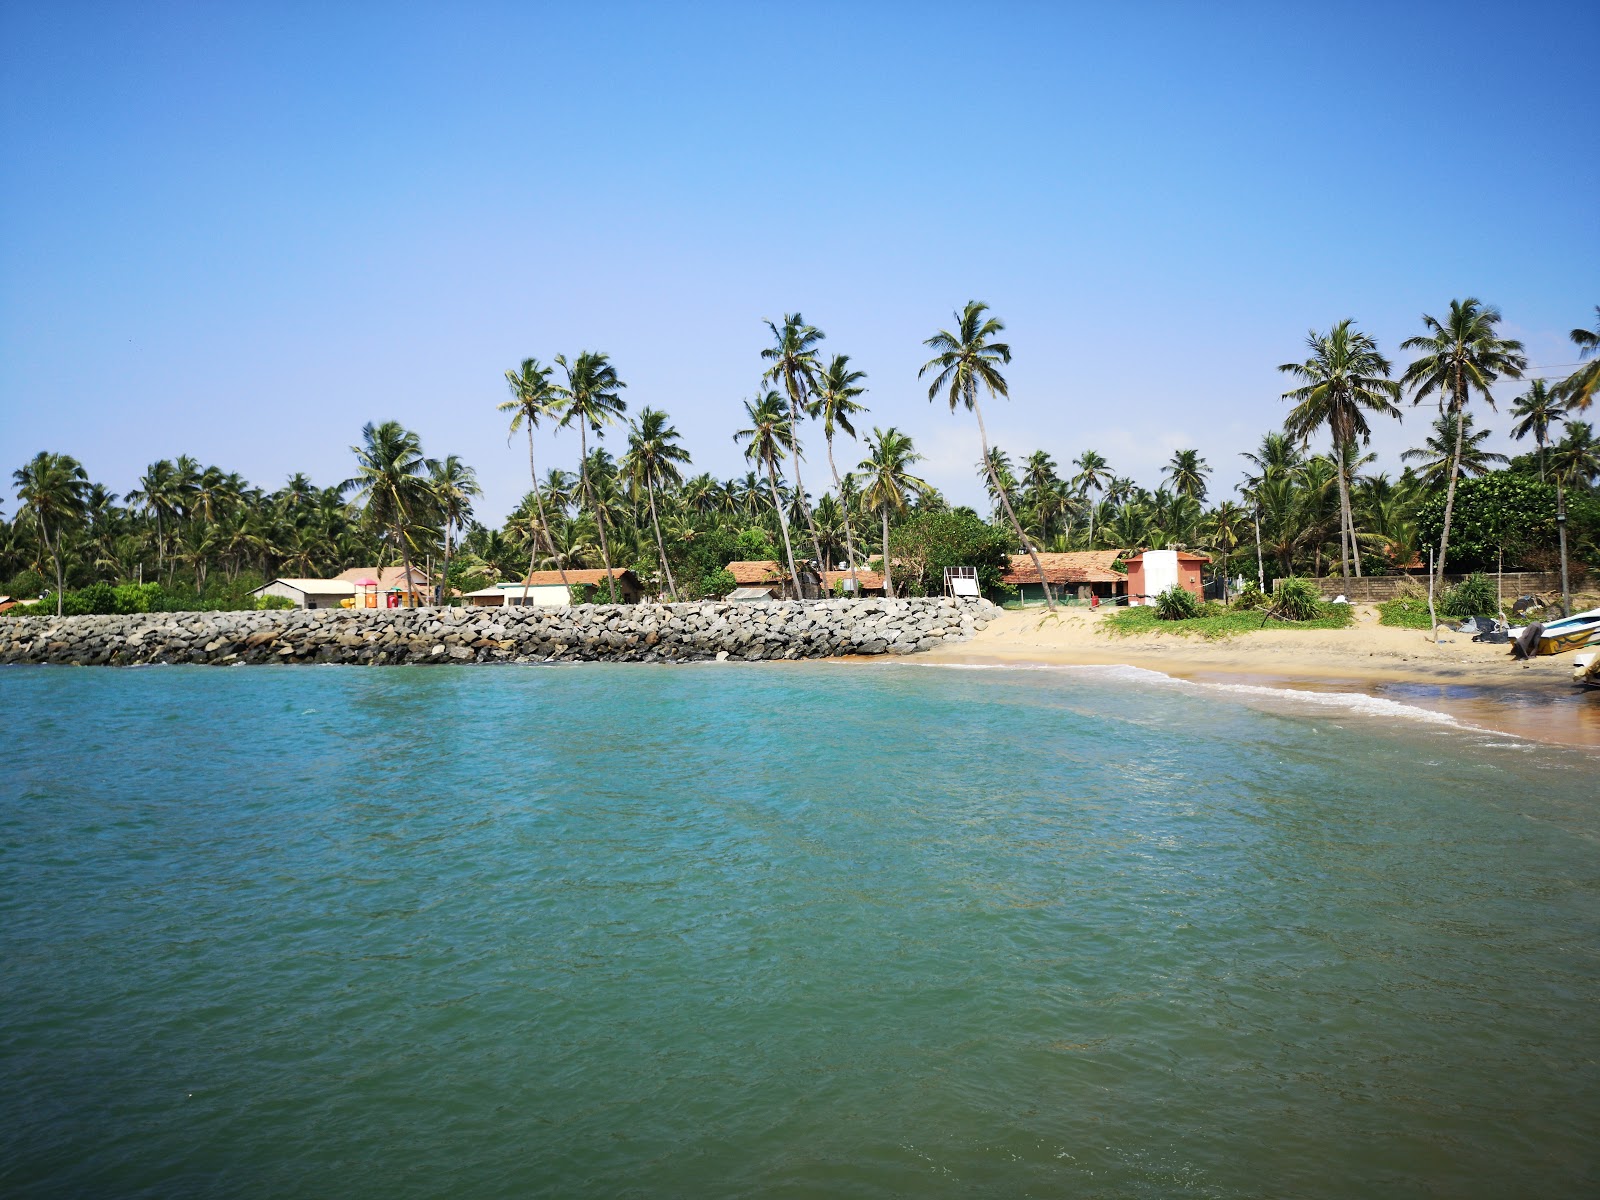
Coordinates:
(784, 931)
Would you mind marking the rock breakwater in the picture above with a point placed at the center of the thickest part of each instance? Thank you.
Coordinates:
(587, 633)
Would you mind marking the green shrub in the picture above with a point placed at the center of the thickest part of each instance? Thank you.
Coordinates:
(1472, 597)
(1297, 600)
(274, 603)
(26, 584)
(138, 597)
(1177, 604)
(96, 598)
(1250, 598)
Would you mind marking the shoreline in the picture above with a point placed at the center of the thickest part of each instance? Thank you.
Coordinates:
(1477, 684)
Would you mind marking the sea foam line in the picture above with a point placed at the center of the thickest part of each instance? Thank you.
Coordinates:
(1352, 702)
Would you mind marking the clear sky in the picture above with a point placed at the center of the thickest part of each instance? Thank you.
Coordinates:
(240, 231)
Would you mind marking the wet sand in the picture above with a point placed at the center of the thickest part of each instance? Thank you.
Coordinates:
(1476, 683)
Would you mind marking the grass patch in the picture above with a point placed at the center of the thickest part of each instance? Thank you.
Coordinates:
(1405, 612)
(1216, 621)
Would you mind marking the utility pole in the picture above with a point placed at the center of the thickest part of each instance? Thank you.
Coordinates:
(1261, 570)
(1561, 533)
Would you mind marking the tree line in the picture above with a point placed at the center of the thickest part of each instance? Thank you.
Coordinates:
(205, 536)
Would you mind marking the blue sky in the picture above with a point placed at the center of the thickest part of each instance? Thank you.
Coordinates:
(242, 231)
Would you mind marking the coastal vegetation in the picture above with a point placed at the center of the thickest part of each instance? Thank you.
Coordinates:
(1311, 503)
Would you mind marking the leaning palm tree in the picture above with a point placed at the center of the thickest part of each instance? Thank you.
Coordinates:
(53, 489)
(964, 361)
(652, 460)
(454, 485)
(1460, 355)
(533, 399)
(793, 355)
(590, 399)
(1345, 379)
(391, 484)
(1536, 410)
(887, 485)
(1578, 388)
(836, 403)
(765, 442)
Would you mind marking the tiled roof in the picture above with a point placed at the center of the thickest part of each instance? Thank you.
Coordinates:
(870, 580)
(1076, 566)
(747, 574)
(546, 578)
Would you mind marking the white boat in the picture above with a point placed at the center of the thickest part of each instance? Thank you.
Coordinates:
(1557, 637)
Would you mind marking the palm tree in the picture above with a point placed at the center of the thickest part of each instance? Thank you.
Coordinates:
(1345, 379)
(888, 484)
(1462, 446)
(767, 437)
(1460, 355)
(836, 404)
(1536, 410)
(1579, 387)
(652, 459)
(391, 485)
(1575, 459)
(793, 355)
(157, 494)
(1093, 474)
(1187, 472)
(533, 398)
(966, 360)
(53, 489)
(590, 398)
(454, 484)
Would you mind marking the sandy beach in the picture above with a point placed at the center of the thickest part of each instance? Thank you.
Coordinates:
(1481, 684)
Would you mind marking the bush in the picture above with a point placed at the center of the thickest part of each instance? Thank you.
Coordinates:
(1250, 599)
(1472, 597)
(138, 597)
(96, 598)
(26, 584)
(274, 603)
(1177, 604)
(927, 543)
(1297, 599)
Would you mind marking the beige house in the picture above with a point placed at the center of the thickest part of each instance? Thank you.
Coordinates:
(546, 590)
(309, 593)
(391, 579)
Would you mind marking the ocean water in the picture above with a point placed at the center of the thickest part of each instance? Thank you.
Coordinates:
(785, 930)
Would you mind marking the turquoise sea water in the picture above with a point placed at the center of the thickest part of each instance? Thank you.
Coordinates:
(811, 930)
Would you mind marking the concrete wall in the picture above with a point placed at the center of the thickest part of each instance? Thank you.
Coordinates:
(1378, 588)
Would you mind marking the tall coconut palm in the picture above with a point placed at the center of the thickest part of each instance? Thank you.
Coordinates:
(963, 362)
(1345, 379)
(1578, 388)
(454, 485)
(590, 399)
(793, 355)
(887, 485)
(53, 489)
(1460, 355)
(836, 403)
(1187, 472)
(765, 442)
(533, 399)
(157, 494)
(1093, 475)
(653, 457)
(1536, 410)
(391, 485)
